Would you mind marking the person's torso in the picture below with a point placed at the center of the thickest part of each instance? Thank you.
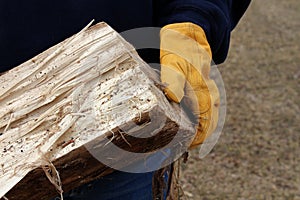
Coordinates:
(30, 27)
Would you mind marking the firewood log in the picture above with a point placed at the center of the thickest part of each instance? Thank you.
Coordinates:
(79, 98)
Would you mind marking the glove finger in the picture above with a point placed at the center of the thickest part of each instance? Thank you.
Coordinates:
(202, 96)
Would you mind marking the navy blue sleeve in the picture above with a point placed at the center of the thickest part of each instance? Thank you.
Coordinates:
(216, 17)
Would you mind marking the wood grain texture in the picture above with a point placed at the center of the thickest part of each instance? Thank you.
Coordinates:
(86, 92)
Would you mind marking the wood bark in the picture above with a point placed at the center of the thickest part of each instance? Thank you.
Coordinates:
(86, 93)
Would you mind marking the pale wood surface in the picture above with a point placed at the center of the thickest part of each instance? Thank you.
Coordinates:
(81, 90)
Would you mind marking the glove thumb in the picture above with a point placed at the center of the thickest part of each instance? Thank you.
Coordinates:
(173, 76)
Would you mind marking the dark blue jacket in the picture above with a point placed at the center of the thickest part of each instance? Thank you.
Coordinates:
(30, 27)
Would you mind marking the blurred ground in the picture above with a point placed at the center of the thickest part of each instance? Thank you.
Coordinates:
(257, 155)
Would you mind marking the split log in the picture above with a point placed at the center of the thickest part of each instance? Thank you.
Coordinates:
(67, 108)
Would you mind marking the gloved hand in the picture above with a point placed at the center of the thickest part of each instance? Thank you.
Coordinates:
(185, 58)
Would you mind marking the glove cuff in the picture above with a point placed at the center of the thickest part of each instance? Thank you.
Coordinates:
(190, 30)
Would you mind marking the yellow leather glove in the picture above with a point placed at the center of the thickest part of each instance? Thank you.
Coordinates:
(185, 58)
